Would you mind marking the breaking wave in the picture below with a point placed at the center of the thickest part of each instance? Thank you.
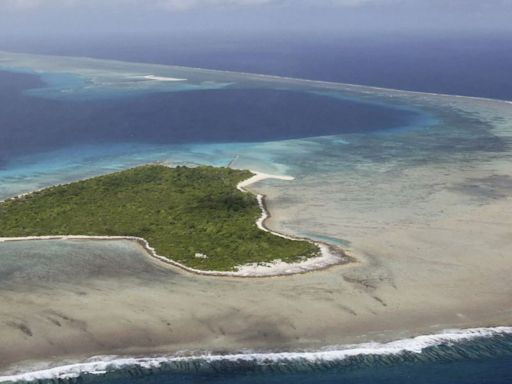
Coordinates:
(448, 344)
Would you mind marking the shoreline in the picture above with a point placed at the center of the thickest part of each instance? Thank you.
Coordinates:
(97, 365)
(329, 254)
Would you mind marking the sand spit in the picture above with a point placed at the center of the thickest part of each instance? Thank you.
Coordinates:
(162, 78)
(329, 255)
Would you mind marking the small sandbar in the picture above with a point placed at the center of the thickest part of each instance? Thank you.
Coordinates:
(162, 78)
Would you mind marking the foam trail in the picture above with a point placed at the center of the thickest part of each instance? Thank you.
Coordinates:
(103, 364)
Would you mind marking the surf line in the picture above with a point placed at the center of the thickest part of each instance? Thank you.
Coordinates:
(103, 364)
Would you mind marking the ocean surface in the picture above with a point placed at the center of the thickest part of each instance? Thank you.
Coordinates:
(64, 119)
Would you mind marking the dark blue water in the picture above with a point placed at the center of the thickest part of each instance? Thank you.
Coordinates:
(496, 371)
(34, 124)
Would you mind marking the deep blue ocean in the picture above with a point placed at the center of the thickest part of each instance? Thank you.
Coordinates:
(470, 371)
(465, 66)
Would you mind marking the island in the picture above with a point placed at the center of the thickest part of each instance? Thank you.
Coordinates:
(193, 216)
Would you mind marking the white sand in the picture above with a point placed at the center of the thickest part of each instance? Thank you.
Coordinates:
(260, 176)
(162, 78)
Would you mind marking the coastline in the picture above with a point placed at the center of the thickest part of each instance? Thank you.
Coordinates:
(329, 255)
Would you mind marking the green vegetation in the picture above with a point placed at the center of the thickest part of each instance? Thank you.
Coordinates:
(181, 212)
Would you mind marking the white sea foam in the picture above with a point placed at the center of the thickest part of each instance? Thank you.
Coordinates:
(101, 364)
